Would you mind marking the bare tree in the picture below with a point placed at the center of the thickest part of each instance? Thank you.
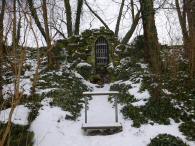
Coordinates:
(191, 23)
(182, 15)
(16, 98)
(96, 15)
(3, 3)
(36, 18)
(129, 34)
(135, 21)
(119, 17)
(44, 31)
(78, 16)
(152, 47)
(68, 17)
(48, 40)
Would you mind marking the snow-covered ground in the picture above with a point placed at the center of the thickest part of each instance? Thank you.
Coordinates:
(51, 128)
(20, 115)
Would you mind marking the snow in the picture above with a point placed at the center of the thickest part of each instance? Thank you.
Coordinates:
(91, 125)
(20, 115)
(83, 64)
(25, 87)
(143, 65)
(166, 91)
(136, 92)
(140, 96)
(51, 128)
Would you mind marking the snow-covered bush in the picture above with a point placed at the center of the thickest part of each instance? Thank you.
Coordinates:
(188, 129)
(166, 140)
(84, 69)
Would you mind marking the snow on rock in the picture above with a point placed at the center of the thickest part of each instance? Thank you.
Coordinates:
(79, 65)
(51, 128)
(20, 115)
(143, 65)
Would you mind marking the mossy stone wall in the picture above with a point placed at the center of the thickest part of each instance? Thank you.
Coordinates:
(91, 37)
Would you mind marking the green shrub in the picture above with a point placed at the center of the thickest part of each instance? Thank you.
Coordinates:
(188, 129)
(161, 111)
(19, 136)
(124, 96)
(166, 140)
(135, 114)
(84, 70)
(34, 111)
(96, 79)
(69, 96)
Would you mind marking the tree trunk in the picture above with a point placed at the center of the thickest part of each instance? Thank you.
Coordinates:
(14, 34)
(183, 25)
(191, 22)
(50, 56)
(36, 18)
(119, 18)
(1, 46)
(97, 16)
(129, 34)
(78, 16)
(152, 47)
(68, 17)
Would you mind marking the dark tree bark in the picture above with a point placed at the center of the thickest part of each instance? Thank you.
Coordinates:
(44, 9)
(78, 16)
(183, 24)
(152, 47)
(48, 40)
(191, 23)
(119, 18)
(132, 29)
(36, 18)
(19, 28)
(44, 31)
(3, 2)
(68, 17)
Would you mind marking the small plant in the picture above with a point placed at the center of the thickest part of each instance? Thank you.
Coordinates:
(160, 111)
(166, 140)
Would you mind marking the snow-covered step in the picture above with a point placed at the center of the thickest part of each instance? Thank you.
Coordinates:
(87, 126)
(101, 93)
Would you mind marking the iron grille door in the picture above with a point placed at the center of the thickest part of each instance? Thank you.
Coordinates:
(101, 51)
